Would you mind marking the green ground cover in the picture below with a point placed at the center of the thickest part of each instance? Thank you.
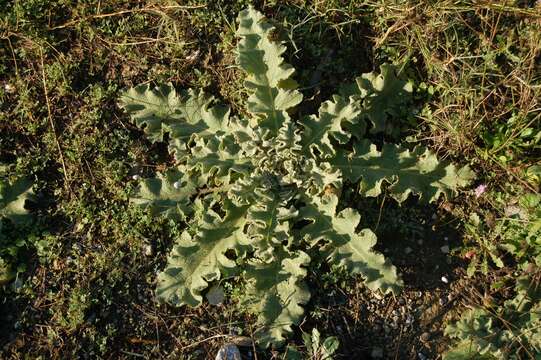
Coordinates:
(79, 265)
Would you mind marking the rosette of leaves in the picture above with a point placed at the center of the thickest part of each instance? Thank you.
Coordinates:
(13, 197)
(260, 191)
(511, 331)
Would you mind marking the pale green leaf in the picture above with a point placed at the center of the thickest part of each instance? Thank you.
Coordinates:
(267, 75)
(197, 260)
(276, 292)
(166, 195)
(344, 246)
(333, 117)
(418, 171)
(218, 159)
(382, 95)
(162, 110)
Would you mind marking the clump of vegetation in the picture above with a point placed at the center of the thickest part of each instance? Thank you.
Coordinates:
(511, 331)
(260, 192)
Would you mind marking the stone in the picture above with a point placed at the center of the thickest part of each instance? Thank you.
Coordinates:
(377, 353)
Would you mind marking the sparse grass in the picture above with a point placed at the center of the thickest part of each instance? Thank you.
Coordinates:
(87, 265)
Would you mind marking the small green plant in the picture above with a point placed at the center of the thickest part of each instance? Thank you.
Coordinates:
(517, 231)
(318, 350)
(511, 331)
(260, 192)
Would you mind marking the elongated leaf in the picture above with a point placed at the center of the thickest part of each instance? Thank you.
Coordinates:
(344, 246)
(268, 223)
(417, 172)
(276, 293)
(195, 261)
(268, 76)
(162, 110)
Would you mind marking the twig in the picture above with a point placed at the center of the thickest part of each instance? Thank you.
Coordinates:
(202, 341)
(132, 354)
(122, 12)
(51, 122)
(14, 58)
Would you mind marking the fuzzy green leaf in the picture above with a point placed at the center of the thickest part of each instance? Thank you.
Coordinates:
(195, 261)
(383, 94)
(268, 77)
(418, 172)
(342, 245)
(267, 219)
(333, 115)
(219, 158)
(162, 110)
(276, 293)
(168, 195)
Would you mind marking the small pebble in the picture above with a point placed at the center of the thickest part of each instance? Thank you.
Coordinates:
(434, 216)
(408, 250)
(10, 89)
(176, 185)
(377, 353)
(410, 319)
(421, 356)
(136, 177)
(228, 352)
(444, 280)
(441, 302)
(148, 250)
(445, 249)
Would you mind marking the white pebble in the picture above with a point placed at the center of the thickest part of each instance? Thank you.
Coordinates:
(176, 185)
(444, 280)
(445, 249)
(135, 177)
(9, 88)
(148, 250)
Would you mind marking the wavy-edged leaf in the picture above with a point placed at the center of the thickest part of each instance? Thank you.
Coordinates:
(195, 261)
(268, 223)
(418, 171)
(268, 77)
(276, 292)
(333, 116)
(162, 110)
(383, 94)
(218, 158)
(344, 246)
(166, 195)
(322, 177)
